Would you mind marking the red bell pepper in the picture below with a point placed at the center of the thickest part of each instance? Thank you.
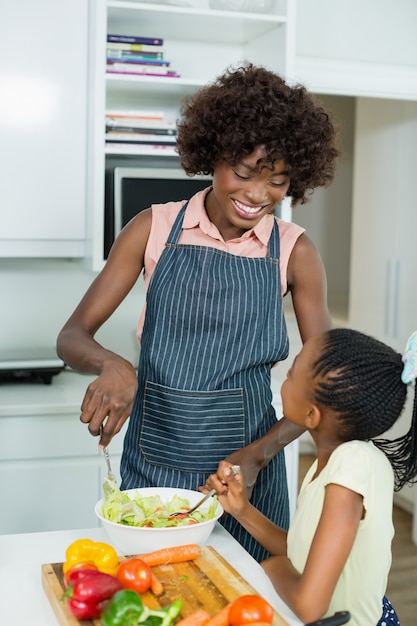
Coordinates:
(78, 571)
(89, 591)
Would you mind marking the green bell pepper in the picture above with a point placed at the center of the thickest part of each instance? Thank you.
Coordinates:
(127, 609)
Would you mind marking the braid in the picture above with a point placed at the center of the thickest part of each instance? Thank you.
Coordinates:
(402, 448)
(359, 378)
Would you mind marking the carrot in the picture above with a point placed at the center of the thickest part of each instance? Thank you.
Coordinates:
(176, 554)
(198, 618)
(156, 585)
(221, 618)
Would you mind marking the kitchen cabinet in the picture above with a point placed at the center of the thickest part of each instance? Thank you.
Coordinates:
(357, 48)
(51, 470)
(383, 282)
(199, 42)
(43, 120)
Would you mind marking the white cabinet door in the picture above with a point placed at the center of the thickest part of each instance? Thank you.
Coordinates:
(50, 494)
(51, 470)
(43, 126)
(49, 473)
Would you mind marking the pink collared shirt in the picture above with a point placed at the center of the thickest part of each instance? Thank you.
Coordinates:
(198, 230)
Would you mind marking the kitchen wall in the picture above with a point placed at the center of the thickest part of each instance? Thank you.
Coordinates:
(327, 216)
(37, 296)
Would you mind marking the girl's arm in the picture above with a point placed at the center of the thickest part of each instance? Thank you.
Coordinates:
(111, 395)
(235, 501)
(308, 594)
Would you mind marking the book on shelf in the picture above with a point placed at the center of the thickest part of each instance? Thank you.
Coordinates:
(130, 61)
(150, 140)
(135, 47)
(141, 130)
(136, 114)
(128, 54)
(140, 123)
(126, 148)
(149, 41)
(140, 70)
(139, 137)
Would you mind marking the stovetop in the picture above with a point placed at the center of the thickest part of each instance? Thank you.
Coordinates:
(29, 365)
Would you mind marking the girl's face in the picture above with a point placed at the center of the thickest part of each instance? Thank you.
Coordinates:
(243, 193)
(297, 388)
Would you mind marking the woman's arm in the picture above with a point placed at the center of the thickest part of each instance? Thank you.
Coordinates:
(307, 283)
(308, 594)
(111, 395)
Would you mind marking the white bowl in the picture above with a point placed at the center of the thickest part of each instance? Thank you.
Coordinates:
(137, 540)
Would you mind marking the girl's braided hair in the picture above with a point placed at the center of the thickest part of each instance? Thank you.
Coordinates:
(359, 378)
(251, 106)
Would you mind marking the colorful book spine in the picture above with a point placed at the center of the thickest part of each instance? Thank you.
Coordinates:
(128, 54)
(134, 47)
(134, 148)
(129, 61)
(140, 70)
(150, 41)
(140, 130)
(141, 139)
(136, 114)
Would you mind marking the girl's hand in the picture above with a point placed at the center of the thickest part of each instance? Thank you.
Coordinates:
(233, 496)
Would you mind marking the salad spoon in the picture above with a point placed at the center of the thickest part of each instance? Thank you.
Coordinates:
(206, 497)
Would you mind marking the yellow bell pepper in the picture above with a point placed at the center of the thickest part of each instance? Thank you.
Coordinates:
(85, 550)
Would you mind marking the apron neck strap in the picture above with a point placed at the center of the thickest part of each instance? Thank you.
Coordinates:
(175, 233)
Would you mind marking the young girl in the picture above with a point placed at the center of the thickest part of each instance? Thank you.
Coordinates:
(346, 389)
(216, 268)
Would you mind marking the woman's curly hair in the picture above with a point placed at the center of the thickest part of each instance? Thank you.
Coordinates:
(251, 106)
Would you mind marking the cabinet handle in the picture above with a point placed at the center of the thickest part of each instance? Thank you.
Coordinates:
(391, 297)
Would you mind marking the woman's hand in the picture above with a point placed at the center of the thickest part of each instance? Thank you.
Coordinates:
(109, 399)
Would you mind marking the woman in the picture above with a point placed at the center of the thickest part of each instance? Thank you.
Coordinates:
(215, 269)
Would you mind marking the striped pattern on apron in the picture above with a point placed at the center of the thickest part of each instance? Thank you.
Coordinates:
(214, 326)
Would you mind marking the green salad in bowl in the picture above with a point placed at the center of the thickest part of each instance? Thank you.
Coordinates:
(138, 520)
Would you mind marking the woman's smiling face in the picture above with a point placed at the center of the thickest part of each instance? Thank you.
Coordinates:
(245, 192)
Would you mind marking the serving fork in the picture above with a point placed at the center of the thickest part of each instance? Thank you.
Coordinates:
(206, 497)
(110, 475)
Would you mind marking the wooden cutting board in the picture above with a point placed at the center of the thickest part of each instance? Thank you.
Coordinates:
(208, 582)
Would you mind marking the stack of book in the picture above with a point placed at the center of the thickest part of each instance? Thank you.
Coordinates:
(139, 132)
(137, 56)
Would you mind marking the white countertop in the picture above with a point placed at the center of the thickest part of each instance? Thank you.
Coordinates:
(64, 395)
(23, 600)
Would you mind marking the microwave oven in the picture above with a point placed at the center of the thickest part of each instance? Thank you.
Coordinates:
(130, 190)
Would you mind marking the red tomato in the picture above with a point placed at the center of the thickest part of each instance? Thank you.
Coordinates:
(134, 574)
(248, 609)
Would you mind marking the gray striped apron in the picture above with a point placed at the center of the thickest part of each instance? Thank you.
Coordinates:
(214, 326)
